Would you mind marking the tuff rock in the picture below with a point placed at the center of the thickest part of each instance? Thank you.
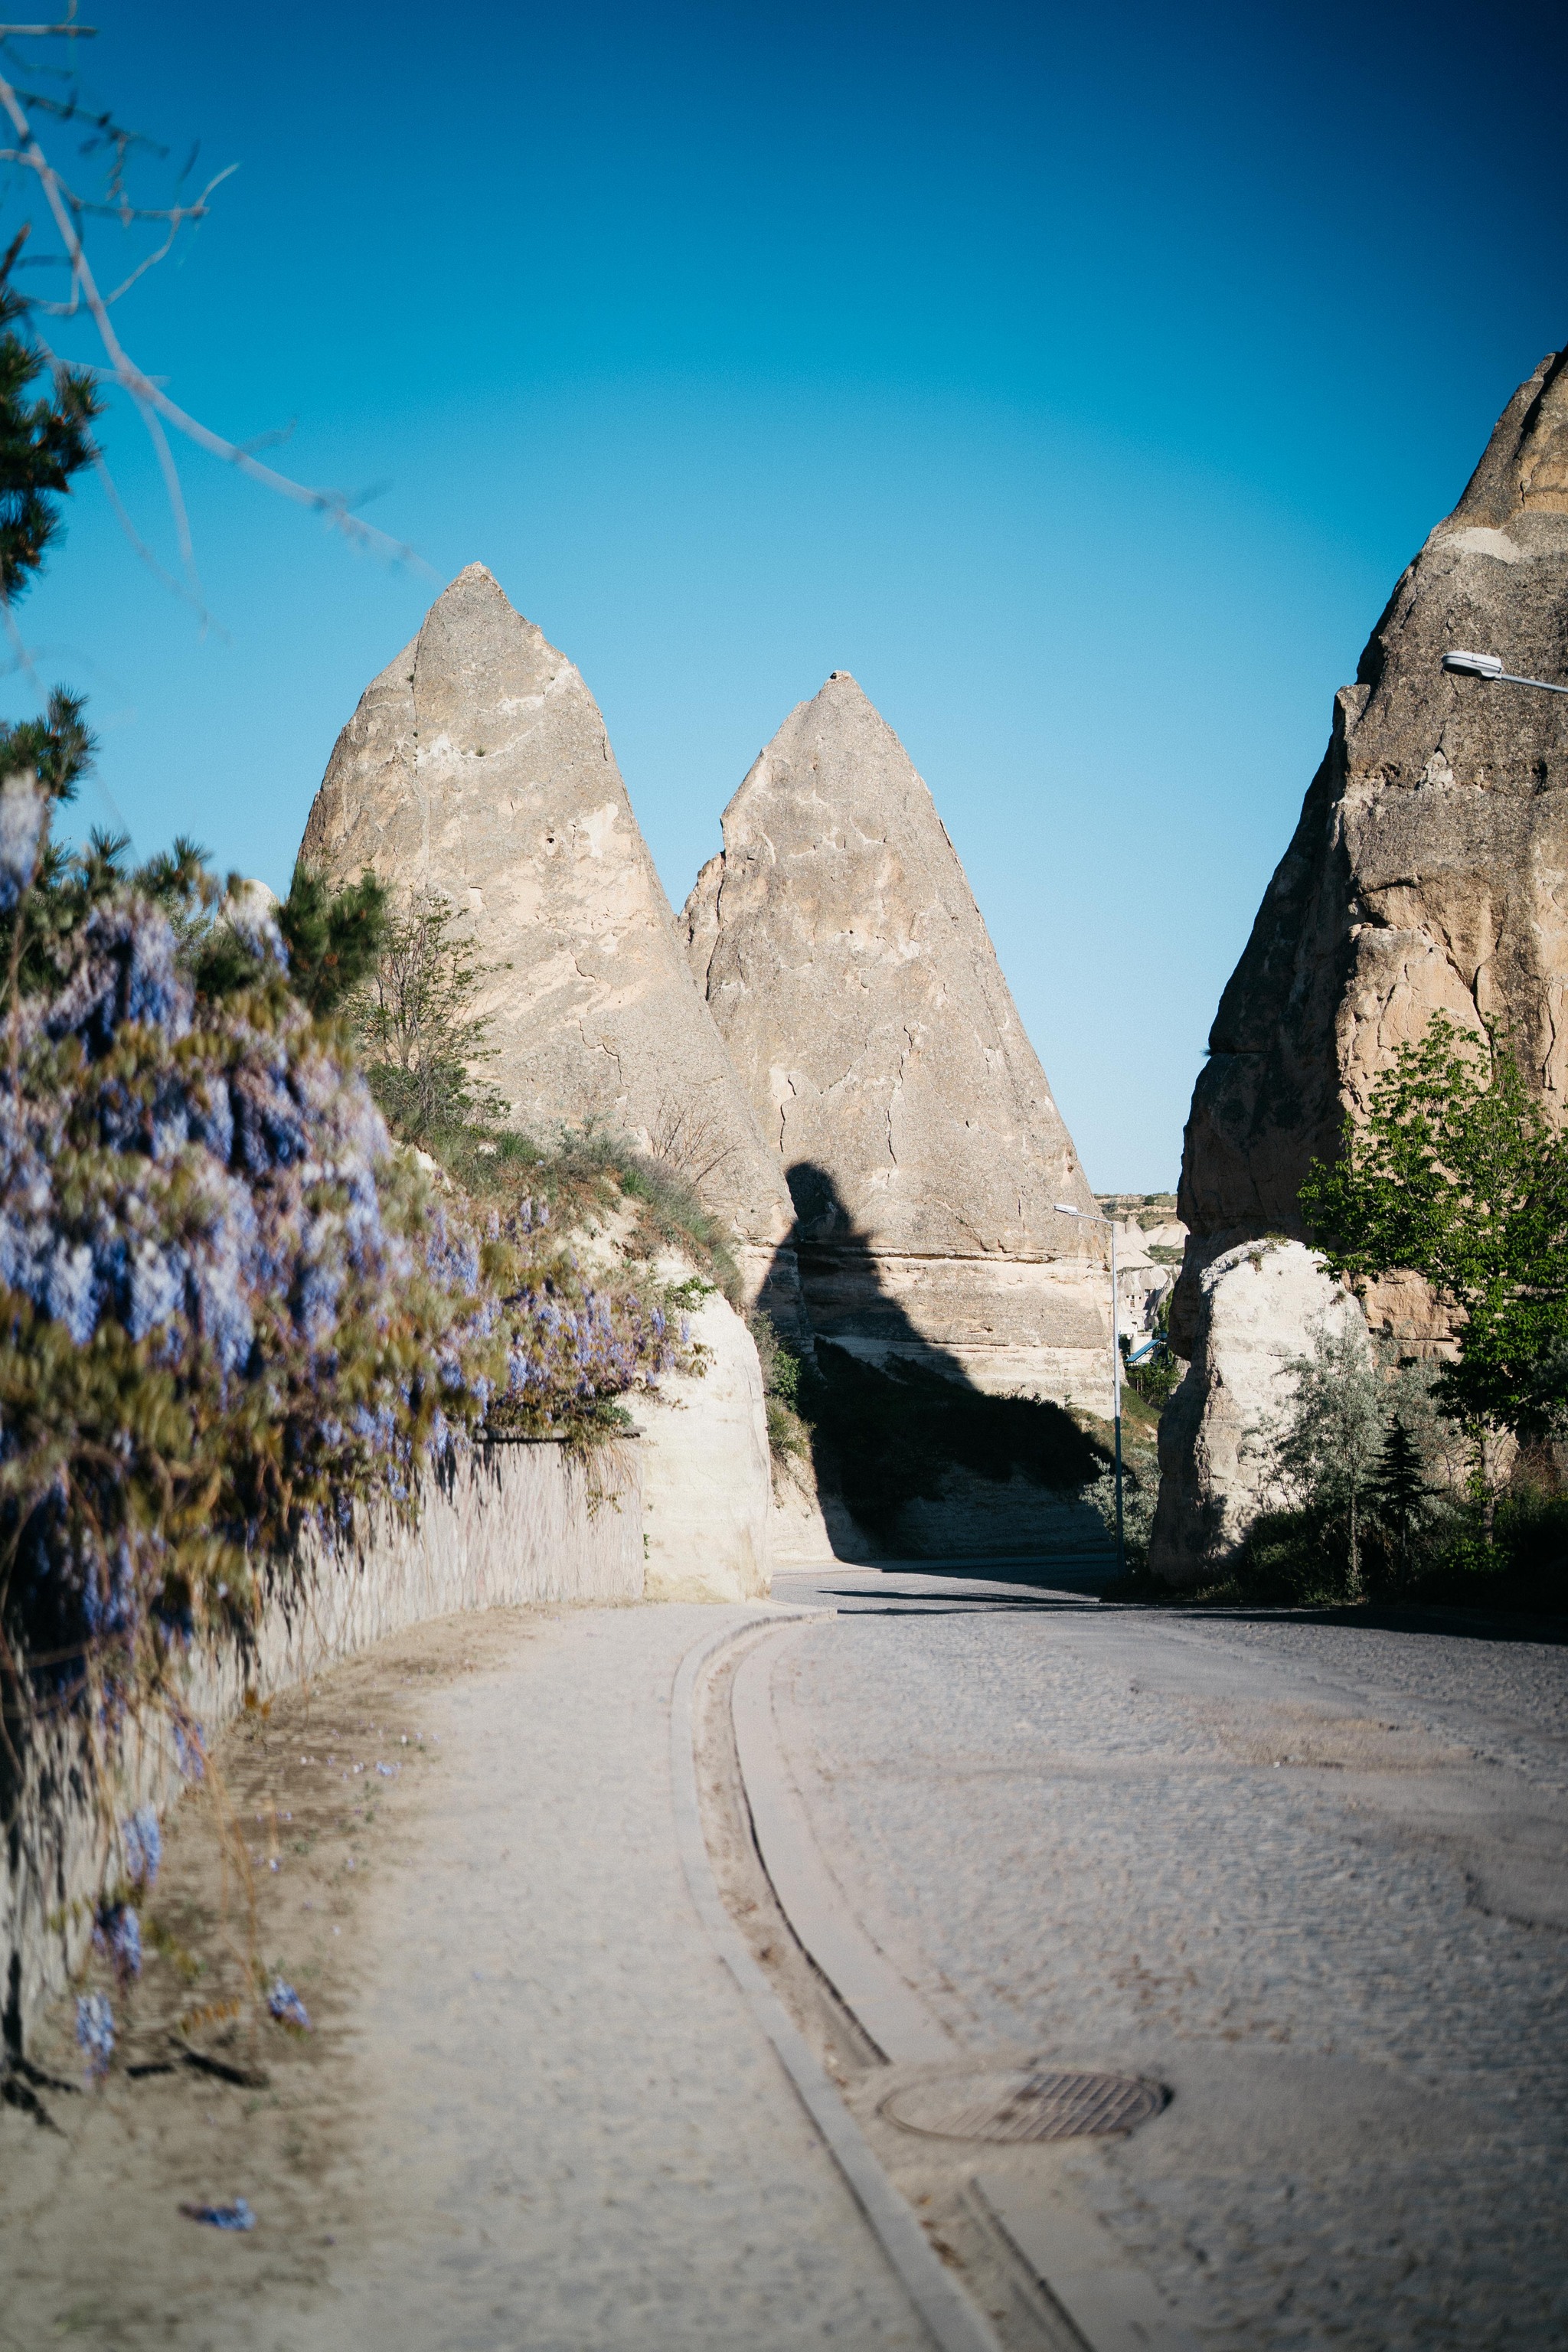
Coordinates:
(477, 769)
(1428, 873)
(706, 1481)
(1262, 1303)
(851, 976)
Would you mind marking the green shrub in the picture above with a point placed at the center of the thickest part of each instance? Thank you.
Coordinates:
(411, 1002)
(584, 1176)
(789, 1436)
(1154, 1379)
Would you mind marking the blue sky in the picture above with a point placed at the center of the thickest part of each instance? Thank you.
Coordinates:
(1080, 380)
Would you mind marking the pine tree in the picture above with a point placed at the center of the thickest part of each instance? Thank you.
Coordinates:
(1400, 1494)
(44, 441)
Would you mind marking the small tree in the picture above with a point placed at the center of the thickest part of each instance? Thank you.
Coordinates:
(420, 1034)
(45, 441)
(1456, 1175)
(1328, 1440)
(1158, 1372)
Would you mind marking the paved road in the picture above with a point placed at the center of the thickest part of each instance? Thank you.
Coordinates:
(1314, 1875)
(1310, 1876)
(536, 2115)
(577, 2137)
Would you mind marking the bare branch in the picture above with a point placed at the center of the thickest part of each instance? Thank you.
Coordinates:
(692, 1137)
(155, 408)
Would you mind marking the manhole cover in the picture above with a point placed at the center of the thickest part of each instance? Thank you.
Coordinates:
(1026, 2105)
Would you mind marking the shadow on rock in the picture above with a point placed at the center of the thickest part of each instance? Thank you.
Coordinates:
(927, 1464)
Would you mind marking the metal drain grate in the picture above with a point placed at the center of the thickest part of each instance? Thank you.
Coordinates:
(1021, 2105)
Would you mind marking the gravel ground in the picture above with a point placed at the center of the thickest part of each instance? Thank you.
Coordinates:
(1312, 1874)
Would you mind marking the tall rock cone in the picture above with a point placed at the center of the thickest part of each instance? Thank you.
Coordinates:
(478, 768)
(1428, 873)
(847, 965)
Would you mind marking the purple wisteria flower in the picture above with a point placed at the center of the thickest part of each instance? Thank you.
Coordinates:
(285, 2004)
(119, 1933)
(95, 2031)
(108, 1595)
(143, 1842)
(208, 1182)
(236, 2216)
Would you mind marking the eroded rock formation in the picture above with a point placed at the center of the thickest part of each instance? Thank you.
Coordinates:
(707, 1486)
(1262, 1303)
(478, 768)
(1428, 872)
(849, 973)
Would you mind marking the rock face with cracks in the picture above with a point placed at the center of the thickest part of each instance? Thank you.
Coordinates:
(1428, 873)
(849, 973)
(477, 769)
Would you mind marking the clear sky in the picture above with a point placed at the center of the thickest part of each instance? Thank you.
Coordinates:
(1079, 378)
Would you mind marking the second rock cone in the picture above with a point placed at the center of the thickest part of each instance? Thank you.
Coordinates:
(851, 975)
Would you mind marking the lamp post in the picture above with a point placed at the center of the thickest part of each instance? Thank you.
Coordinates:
(1461, 664)
(1065, 1209)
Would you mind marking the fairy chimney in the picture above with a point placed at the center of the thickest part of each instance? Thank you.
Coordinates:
(1426, 876)
(849, 973)
(477, 769)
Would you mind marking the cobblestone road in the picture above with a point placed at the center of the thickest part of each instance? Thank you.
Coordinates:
(1311, 1875)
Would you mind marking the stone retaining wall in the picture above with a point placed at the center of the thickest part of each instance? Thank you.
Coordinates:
(512, 1524)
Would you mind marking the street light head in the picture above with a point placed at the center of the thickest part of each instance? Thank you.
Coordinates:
(1464, 664)
(1067, 1209)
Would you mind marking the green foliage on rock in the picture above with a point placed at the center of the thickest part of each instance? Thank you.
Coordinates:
(789, 1435)
(424, 1044)
(1154, 1379)
(1457, 1175)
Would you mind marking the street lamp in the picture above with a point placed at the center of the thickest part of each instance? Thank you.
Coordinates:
(1067, 1210)
(1461, 664)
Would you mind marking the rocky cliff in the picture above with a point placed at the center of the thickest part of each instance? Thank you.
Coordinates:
(477, 767)
(1428, 872)
(850, 974)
